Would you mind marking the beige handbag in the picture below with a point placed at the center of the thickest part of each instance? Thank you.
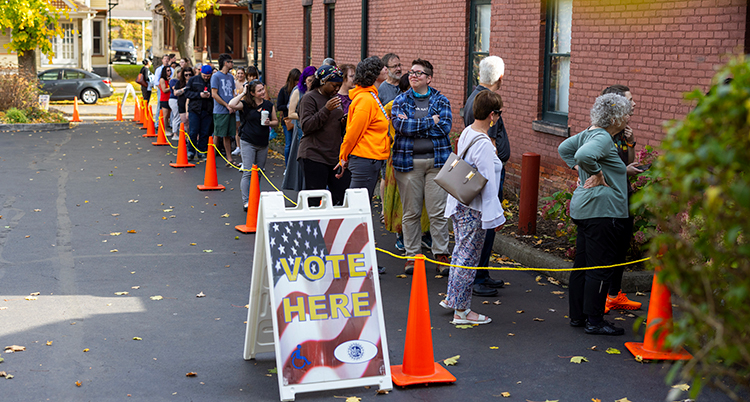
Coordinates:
(459, 179)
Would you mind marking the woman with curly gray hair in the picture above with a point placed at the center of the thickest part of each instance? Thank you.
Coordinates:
(599, 209)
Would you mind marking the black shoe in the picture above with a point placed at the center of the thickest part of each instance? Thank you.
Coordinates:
(603, 328)
(491, 283)
(577, 323)
(483, 291)
(381, 270)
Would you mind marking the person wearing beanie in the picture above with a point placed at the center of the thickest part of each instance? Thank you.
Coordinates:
(200, 110)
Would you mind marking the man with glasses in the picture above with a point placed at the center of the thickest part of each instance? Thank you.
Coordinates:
(388, 90)
(222, 91)
(422, 121)
(491, 71)
(199, 110)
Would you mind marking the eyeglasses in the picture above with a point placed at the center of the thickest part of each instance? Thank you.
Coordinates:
(395, 65)
(497, 112)
(417, 74)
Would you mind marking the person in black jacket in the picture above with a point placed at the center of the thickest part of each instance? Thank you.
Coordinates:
(491, 71)
(200, 110)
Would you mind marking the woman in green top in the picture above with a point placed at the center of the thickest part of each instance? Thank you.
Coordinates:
(599, 208)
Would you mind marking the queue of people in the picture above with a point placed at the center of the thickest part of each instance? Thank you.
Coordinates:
(354, 126)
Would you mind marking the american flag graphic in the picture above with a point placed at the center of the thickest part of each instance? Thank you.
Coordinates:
(307, 347)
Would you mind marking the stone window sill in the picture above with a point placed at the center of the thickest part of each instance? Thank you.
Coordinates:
(547, 127)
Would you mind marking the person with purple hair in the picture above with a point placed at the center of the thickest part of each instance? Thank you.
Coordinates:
(294, 177)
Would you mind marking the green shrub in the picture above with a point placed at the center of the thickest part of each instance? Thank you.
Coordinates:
(15, 116)
(702, 208)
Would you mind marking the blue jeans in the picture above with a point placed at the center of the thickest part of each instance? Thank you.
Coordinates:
(200, 130)
(489, 240)
(287, 143)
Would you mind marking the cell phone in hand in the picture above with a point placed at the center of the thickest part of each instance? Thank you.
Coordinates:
(644, 167)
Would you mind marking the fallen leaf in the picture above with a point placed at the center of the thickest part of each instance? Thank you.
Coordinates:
(6, 375)
(114, 250)
(613, 351)
(511, 334)
(201, 294)
(485, 302)
(497, 302)
(539, 319)
(135, 338)
(519, 311)
(191, 374)
(639, 358)
(78, 384)
(157, 297)
(401, 276)
(121, 293)
(31, 298)
(538, 278)
(619, 319)
(193, 244)
(558, 292)
(208, 251)
(640, 294)
(451, 361)
(49, 343)
(85, 350)
(132, 231)
(681, 387)
(273, 371)
(466, 326)
(159, 245)
(115, 214)
(494, 347)
(505, 394)
(578, 359)
(596, 400)
(593, 347)
(37, 210)
(27, 236)
(225, 215)
(15, 348)
(135, 287)
(168, 210)
(34, 294)
(115, 234)
(623, 400)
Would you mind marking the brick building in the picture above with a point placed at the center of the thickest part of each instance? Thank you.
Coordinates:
(559, 55)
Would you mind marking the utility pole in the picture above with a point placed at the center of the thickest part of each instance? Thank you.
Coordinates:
(112, 4)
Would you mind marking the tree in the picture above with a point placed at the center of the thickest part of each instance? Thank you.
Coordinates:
(32, 23)
(702, 208)
(184, 18)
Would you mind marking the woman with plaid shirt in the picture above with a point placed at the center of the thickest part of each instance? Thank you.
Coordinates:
(422, 120)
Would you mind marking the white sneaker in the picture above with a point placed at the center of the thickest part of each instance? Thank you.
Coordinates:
(236, 151)
(176, 137)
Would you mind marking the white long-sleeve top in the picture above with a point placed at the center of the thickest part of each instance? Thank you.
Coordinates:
(482, 156)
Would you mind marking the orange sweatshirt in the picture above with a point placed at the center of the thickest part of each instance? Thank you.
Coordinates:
(366, 127)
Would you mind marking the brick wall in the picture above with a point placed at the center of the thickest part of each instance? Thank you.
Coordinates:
(660, 49)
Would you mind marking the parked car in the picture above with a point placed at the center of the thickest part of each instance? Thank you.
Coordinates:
(67, 83)
(123, 49)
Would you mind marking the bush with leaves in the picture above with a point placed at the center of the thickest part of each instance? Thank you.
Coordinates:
(18, 89)
(16, 116)
(702, 208)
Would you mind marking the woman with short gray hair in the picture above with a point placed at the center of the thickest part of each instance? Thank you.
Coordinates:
(599, 209)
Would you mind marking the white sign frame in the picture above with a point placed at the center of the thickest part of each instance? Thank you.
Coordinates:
(262, 333)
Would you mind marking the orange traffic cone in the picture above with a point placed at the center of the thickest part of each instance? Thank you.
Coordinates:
(150, 125)
(119, 111)
(658, 327)
(136, 111)
(182, 160)
(252, 204)
(419, 365)
(76, 118)
(161, 138)
(210, 182)
(144, 115)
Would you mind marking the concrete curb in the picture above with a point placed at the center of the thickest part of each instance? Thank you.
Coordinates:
(638, 281)
(34, 127)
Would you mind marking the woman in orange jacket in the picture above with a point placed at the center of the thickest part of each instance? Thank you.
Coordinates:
(366, 145)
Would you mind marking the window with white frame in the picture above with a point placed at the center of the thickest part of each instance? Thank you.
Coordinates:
(97, 37)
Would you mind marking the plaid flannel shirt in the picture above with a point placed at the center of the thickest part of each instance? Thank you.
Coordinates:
(410, 127)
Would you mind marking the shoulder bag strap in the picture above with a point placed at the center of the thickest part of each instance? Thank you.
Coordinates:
(480, 137)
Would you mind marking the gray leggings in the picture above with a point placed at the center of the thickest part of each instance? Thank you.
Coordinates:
(251, 155)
